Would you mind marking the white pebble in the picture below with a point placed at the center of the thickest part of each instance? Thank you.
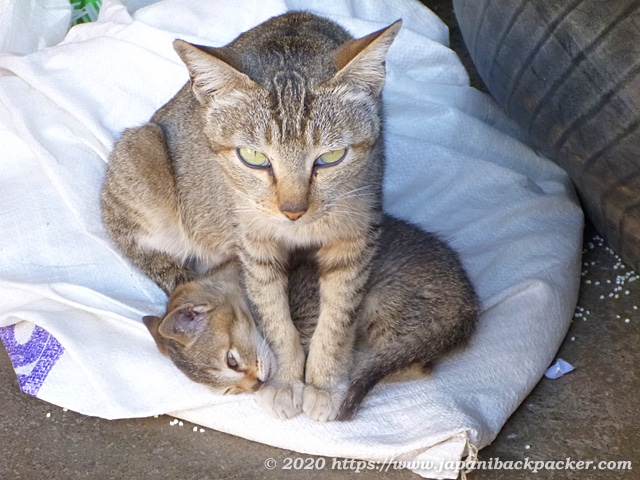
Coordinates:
(195, 429)
(202, 430)
(527, 447)
(626, 320)
(48, 415)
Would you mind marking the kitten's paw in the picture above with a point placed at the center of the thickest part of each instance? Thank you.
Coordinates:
(322, 405)
(282, 401)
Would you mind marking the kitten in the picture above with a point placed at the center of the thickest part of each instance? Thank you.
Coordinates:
(209, 333)
(418, 304)
(274, 145)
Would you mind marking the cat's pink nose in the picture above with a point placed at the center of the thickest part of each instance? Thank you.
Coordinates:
(258, 385)
(292, 212)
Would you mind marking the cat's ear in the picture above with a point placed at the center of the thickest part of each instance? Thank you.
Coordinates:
(213, 71)
(152, 323)
(361, 61)
(185, 324)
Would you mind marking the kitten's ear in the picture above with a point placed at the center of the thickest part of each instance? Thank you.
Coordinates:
(185, 324)
(362, 61)
(212, 70)
(152, 323)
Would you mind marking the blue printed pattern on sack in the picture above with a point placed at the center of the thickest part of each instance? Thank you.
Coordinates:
(33, 359)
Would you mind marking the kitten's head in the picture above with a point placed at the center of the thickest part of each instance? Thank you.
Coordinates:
(292, 111)
(210, 335)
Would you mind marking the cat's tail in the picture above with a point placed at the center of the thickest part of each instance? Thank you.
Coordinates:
(399, 353)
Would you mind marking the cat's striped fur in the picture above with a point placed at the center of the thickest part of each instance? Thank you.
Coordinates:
(275, 145)
(418, 305)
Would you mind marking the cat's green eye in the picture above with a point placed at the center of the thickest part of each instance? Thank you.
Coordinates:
(331, 158)
(231, 361)
(253, 158)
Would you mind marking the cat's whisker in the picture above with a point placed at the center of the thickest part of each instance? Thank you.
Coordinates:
(244, 210)
(355, 193)
(348, 213)
(365, 187)
(254, 205)
(340, 203)
(335, 204)
(349, 196)
(265, 359)
(244, 195)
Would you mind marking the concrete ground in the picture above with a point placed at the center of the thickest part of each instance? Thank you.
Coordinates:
(591, 414)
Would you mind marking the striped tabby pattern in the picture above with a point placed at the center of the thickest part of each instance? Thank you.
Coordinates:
(275, 145)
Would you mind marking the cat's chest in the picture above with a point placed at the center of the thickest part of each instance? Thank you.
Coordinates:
(213, 246)
(294, 235)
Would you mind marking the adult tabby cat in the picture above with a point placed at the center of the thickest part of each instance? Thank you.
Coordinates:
(274, 145)
(418, 304)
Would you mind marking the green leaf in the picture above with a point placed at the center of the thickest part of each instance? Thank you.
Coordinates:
(84, 11)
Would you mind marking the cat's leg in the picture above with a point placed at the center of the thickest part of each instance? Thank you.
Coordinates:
(266, 281)
(164, 270)
(134, 241)
(344, 270)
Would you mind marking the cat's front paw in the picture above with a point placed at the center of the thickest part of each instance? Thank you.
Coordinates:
(322, 405)
(282, 401)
